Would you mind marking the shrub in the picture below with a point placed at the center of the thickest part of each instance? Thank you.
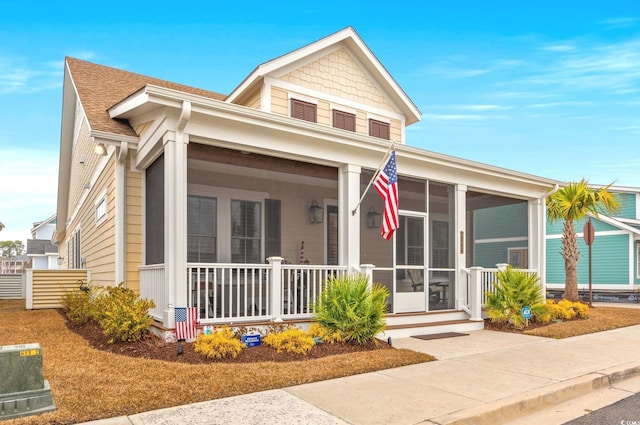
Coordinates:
(218, 345)
(514, 290)
(351, 307)
(293, 340)
(122, 315)
(316, 330)
(567, 310)
(78, 306)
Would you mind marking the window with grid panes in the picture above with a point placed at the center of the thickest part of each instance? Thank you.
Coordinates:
(201, 229)
(379, 129)
(344, 120)
(246, 231)
(304, 110)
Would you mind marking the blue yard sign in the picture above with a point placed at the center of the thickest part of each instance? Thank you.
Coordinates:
(526, 312)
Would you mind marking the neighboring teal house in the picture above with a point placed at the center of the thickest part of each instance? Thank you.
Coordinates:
(500, 235)
(615, 249)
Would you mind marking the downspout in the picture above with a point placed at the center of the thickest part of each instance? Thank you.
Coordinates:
(120, 215)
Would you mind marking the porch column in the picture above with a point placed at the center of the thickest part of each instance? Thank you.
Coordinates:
(275, 294)
(175, 222)
(537, 237)
(475, 293)
(459, 240)
(349, 227)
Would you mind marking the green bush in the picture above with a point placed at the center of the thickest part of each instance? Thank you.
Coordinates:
(78, 306)
(292, 340)
(350, 306)
(122, 315)
(514, 290)
(218, 345)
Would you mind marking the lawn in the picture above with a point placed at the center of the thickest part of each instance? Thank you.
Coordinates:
(89, 384)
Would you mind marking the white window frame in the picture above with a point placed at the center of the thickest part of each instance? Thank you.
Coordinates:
(224, 197)
(638, 260)
(101, 208)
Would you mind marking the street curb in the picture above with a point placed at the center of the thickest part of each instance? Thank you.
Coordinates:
(514, 407)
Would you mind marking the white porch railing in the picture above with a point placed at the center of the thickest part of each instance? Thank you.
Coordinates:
(477, 283)
(152, 288)
(227, 293)
(302, 285)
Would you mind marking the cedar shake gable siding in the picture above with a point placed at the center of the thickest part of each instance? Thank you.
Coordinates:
(100, 87)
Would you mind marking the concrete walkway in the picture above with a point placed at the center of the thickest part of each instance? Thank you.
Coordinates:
(484, 377)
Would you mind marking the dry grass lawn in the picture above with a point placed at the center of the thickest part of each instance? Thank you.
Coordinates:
(600, 319)
(88, 384)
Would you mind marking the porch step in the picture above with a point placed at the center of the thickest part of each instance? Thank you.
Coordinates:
(413, 329)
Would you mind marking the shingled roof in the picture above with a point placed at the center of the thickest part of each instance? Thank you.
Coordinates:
(100, 87)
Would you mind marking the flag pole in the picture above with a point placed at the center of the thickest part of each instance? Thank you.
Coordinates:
(393, 144)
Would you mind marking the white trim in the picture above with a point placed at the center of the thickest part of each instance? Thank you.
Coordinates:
(513, 239)
(581, 234)
(302, 98)
(101, 200)
(637, 262)
(293, 89)
(342, 108)
(223, 197)
(350, 40)
(378, 118)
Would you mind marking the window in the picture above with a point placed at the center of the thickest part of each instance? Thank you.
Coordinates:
(246, 232)
(344, 120)
(74, 259)
(201, 229)
(379, 129)
(101, 208)
(303, 110)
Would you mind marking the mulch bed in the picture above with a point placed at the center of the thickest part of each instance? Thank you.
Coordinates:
(152, 347)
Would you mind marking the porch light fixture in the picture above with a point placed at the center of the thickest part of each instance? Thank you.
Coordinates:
(373, 218)
(316, 212)
(60, 261)
(101, 149)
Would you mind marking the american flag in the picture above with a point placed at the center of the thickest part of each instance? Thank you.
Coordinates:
(186, 322)
(387, 186)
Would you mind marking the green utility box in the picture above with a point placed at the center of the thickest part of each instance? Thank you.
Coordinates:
(23, 390)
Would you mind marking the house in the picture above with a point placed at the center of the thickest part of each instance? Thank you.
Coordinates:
(41, 252)
(242, 204)
(615, 253)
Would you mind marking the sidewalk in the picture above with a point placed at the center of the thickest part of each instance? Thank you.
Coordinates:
(484, 377)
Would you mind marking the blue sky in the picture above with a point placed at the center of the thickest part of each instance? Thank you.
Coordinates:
(547, 88)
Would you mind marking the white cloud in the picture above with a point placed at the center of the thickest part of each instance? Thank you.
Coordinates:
(462, 117)
(561, 104)
(617, 23)
(17, 77)
(480, 107)
(558, 47)
(29, 189)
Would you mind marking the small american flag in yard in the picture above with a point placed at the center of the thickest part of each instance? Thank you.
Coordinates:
(186, 322)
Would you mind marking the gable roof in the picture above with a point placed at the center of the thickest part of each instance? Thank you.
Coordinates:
(349, 39)
(40, 247)
(99, 87)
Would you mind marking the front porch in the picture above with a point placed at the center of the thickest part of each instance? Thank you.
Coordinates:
(255, 294)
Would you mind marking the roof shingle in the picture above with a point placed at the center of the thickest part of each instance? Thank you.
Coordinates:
(100, 87)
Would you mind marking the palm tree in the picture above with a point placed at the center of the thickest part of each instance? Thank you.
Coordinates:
(574, 202)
